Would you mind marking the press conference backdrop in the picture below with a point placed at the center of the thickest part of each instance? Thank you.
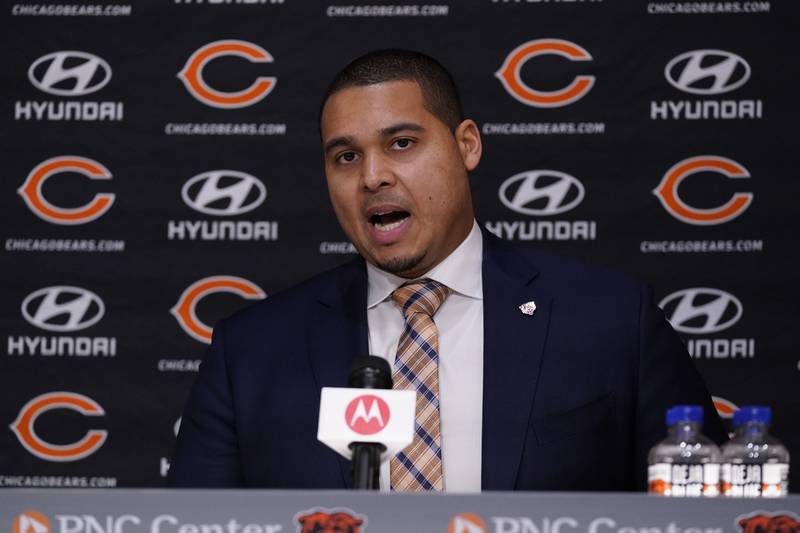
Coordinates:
(162, 169)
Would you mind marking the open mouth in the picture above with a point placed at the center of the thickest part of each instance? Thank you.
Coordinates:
(389, 220)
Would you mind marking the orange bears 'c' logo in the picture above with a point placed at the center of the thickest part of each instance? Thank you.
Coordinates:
(192, 74)
(763, 522)
(23, 427)
(509, 73)
(667, 191)
(725, 408)
(31, 190)
(325, 521)
(31, 522)
(184, 310)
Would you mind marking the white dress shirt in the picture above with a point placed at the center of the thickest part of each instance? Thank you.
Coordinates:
(460, 324)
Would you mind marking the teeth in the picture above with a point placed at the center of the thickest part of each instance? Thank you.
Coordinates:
(389, 227)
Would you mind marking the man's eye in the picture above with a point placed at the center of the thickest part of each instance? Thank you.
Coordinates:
(402, 144)
(346, 157)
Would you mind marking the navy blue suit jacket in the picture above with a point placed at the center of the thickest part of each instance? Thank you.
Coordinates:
(574, 395)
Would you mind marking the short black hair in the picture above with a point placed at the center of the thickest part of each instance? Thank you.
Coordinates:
(439, 90)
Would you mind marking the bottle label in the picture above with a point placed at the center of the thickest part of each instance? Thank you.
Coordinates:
(683, 480)
(770, 480)
(659, 479)
(711, 480)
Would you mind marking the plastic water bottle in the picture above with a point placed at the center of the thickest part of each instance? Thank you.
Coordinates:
(754, 464)
(686, 463)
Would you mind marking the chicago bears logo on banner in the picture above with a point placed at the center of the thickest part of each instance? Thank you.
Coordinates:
(185, 310)
(63, 308)
(192, 74)
(768, 522)
(85, 74)
(510, 73)
(223, 192)
(541, 192)
(725, 408)
(667, 191)
(31, 522)
(466, 523)
(707, 72)
(31, 190)
(330, 521)
(24, 427)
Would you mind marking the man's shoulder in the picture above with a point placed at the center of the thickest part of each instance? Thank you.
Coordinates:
(297, 301)
(566, 269)
(561, 273)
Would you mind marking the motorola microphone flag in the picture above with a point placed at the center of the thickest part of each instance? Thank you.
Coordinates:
(366, 415)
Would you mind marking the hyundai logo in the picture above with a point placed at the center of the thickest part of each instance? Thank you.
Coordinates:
(69, 73)
(223, 192)
(63, 308)
(707, 72)
(701, 310)
(541, 192)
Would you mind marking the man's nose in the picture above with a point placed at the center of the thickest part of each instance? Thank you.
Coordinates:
(377, 172)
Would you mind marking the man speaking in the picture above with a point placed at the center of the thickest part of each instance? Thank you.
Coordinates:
(532, 372)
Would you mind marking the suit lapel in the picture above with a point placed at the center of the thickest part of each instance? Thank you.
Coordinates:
(512, 352)
(338, 333)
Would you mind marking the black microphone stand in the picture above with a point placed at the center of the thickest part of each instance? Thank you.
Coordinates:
(366, 465)
(368, 372)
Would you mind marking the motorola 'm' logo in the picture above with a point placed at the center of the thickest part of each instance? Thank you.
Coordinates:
(367, 414)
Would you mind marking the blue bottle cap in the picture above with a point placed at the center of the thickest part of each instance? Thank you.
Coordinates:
(684, 414)
(752, 413)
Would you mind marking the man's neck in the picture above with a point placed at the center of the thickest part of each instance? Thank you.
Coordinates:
(461, 271)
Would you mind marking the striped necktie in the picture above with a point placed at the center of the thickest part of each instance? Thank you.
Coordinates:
(419, 466)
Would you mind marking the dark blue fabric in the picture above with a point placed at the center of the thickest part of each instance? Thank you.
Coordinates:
(574, 395)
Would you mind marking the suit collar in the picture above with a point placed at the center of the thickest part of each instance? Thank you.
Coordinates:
(338, 333)
(512, 353)
(348, 287)
(513, 350)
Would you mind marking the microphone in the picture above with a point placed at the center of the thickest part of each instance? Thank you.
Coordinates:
(368, 372)
(368, 422)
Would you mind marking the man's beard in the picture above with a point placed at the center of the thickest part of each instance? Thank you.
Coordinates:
(399, 265)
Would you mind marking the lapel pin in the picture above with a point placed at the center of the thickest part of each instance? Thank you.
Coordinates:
(528, 308)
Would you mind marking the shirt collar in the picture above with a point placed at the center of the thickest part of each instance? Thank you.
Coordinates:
(461, 271)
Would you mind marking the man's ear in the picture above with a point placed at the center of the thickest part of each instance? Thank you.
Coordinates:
(468, 139)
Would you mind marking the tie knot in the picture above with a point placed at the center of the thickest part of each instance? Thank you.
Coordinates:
(420, 296)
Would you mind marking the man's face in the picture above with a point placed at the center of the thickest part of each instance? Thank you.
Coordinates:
(397, 175)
